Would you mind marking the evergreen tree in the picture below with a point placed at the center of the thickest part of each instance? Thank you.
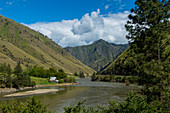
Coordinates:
(75, 74)
(81, 74)
(18, 70)
(148, 29)
(93, 77)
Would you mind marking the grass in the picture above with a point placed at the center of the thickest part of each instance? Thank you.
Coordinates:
(41, 81)
(31, 48)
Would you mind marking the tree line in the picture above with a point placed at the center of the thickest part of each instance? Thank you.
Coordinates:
(37, 71)
(14, 78)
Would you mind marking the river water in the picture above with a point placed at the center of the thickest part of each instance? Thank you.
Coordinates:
(95, 93)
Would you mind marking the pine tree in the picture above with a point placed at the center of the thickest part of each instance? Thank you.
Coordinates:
(18, 70)
(148, 29)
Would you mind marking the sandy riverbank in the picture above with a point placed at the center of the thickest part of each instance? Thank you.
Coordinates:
(10, 90)
(34, 92)
(64, 84)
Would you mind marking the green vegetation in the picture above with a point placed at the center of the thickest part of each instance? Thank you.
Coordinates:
(32, 106)
(133, 104)
(148, 31)
(148, 57)
(16, 78)
(20, 43)
(41, 73)
(113, 78)
(32, 76)
(81, 74)
(41, 81)
(95, 55)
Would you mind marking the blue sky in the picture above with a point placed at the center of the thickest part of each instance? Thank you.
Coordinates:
(72, 22)
(32, 11)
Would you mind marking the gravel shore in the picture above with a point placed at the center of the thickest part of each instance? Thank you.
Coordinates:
(26, 93)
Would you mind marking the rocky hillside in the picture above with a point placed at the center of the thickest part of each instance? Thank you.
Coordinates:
(97, 55)
(20, 43)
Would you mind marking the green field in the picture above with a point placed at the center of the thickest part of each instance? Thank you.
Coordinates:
(41, 81)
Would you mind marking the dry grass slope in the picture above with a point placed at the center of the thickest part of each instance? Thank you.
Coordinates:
(20, 43)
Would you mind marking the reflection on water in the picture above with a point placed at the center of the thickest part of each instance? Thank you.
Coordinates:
(95, 93)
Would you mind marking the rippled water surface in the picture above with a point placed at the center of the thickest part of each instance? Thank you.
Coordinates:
(95, 93)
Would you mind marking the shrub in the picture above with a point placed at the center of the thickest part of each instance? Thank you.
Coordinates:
(61, 81)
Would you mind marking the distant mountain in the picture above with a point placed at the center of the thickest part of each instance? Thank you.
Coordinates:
(97, 55)
(20, 43)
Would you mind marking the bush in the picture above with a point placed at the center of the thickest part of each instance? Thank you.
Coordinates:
(32, 106)
(61, 81)
(33, 84)
(118, 79)
(69, 80)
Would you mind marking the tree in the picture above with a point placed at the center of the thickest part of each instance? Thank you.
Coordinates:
(148, 29)
(81, 74)
(18, 70)
(5, 77)
(75, 74)
(93, 77)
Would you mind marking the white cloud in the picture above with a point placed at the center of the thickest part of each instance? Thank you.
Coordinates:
(107, 6)
(90, 28)
(121, 6)
(10, 3)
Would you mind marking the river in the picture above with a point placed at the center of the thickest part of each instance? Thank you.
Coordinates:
(95, 93)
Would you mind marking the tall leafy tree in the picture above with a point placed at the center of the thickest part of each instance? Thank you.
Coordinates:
(148, 28)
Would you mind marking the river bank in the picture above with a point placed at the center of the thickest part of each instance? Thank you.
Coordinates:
(95, 93)
(11, 90)
(34, 92)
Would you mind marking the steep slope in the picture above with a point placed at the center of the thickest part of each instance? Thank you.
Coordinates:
(127, 62)
(20, 43)
(98, 54)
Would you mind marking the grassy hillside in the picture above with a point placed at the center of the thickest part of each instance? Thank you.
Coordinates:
(97, 55)
(20, 43)
(126, 63)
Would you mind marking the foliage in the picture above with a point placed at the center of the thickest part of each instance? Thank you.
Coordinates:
(4, 68)
(148, 30)
(69, 80)
(133, 104)
(118, 78)
(61, 81)
(37, 71)
(148, 56)
(93, 77)
(16, 79)
(32, 106)
(18, 70)
(81, 74)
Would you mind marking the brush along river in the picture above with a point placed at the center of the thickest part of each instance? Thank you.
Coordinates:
(58, 97)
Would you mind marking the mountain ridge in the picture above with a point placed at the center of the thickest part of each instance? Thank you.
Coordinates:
(95, 55)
